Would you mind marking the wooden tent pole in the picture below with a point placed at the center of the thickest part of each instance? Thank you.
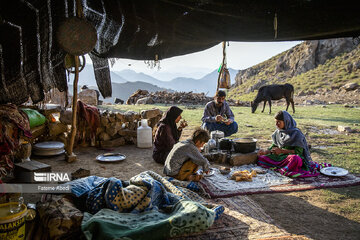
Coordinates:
(222, 65)
(70, 155)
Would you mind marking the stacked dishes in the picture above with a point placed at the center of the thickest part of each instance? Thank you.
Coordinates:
(48, 148)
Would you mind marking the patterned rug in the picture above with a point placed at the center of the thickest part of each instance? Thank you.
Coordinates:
(213, 188)
(242, 219)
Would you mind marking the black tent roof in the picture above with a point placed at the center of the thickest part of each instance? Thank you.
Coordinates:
(32, 62)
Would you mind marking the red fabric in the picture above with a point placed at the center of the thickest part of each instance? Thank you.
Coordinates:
(12, 123)
(19, 118)
(291, 166)
(89, 114)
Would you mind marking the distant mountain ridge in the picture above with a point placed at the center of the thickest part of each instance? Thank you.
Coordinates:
(124, 90)
(87, 77)
(133, 76)
(192, 72)
(319, 65)
(125, 82)
(206, 84)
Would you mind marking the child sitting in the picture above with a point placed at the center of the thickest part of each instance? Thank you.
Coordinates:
(185, 158)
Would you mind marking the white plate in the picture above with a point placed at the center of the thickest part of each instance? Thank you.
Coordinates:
(334, 171)
(111, 157)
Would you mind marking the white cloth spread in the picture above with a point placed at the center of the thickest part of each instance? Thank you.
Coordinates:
(269, 178)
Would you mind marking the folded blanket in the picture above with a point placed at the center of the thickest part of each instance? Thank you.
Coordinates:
(185, 217)
(146, 203)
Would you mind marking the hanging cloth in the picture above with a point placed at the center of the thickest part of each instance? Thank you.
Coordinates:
(224, 75)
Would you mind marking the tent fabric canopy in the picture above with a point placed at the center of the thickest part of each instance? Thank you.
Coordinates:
(31, 61)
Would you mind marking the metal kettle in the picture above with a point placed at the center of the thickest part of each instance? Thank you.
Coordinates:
(216, 135)
(211, 144)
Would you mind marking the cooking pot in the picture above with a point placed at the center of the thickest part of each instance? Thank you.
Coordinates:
(244, 145)
(225, 144)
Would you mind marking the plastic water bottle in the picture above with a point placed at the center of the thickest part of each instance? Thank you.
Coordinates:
(144, 135)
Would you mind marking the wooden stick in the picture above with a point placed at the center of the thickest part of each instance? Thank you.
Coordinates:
(74, 108)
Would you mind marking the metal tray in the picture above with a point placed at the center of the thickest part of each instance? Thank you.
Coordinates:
(52, 145)
(334, 171)
(111, 157)
(48, 152)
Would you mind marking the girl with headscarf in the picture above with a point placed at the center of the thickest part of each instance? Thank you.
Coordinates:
(167, 133)
(289, 153)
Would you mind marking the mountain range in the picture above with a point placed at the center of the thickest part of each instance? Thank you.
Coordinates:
(206, 84)
(125, 82)
(311, 66)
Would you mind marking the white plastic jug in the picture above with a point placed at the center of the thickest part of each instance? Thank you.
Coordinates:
(144, 134)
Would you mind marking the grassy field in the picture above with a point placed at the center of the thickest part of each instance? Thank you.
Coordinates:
(319, 124)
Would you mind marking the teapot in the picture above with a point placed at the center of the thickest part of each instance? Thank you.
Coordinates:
(211, 144)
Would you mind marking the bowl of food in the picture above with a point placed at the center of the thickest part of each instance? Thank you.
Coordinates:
(225, 170)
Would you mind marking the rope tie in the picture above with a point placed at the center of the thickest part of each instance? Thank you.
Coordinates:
(275, 25)
(223, 65)
(79, 9)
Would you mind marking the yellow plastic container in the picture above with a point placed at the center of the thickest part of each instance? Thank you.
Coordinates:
(12, 225)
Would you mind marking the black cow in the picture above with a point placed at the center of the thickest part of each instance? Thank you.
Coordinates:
(274, 92)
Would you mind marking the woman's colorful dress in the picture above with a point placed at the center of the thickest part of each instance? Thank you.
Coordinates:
(298, 164)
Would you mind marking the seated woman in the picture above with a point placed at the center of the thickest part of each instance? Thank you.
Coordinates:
(185, 158)
(289, 153)
(167, 133)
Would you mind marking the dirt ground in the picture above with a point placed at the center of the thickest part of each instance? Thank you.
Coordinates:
(137, 160)
(298, 213)
(301, 213)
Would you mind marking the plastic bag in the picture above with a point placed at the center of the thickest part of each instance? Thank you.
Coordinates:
(35, 118)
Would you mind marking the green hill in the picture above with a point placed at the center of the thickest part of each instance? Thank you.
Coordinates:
(309, 66)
